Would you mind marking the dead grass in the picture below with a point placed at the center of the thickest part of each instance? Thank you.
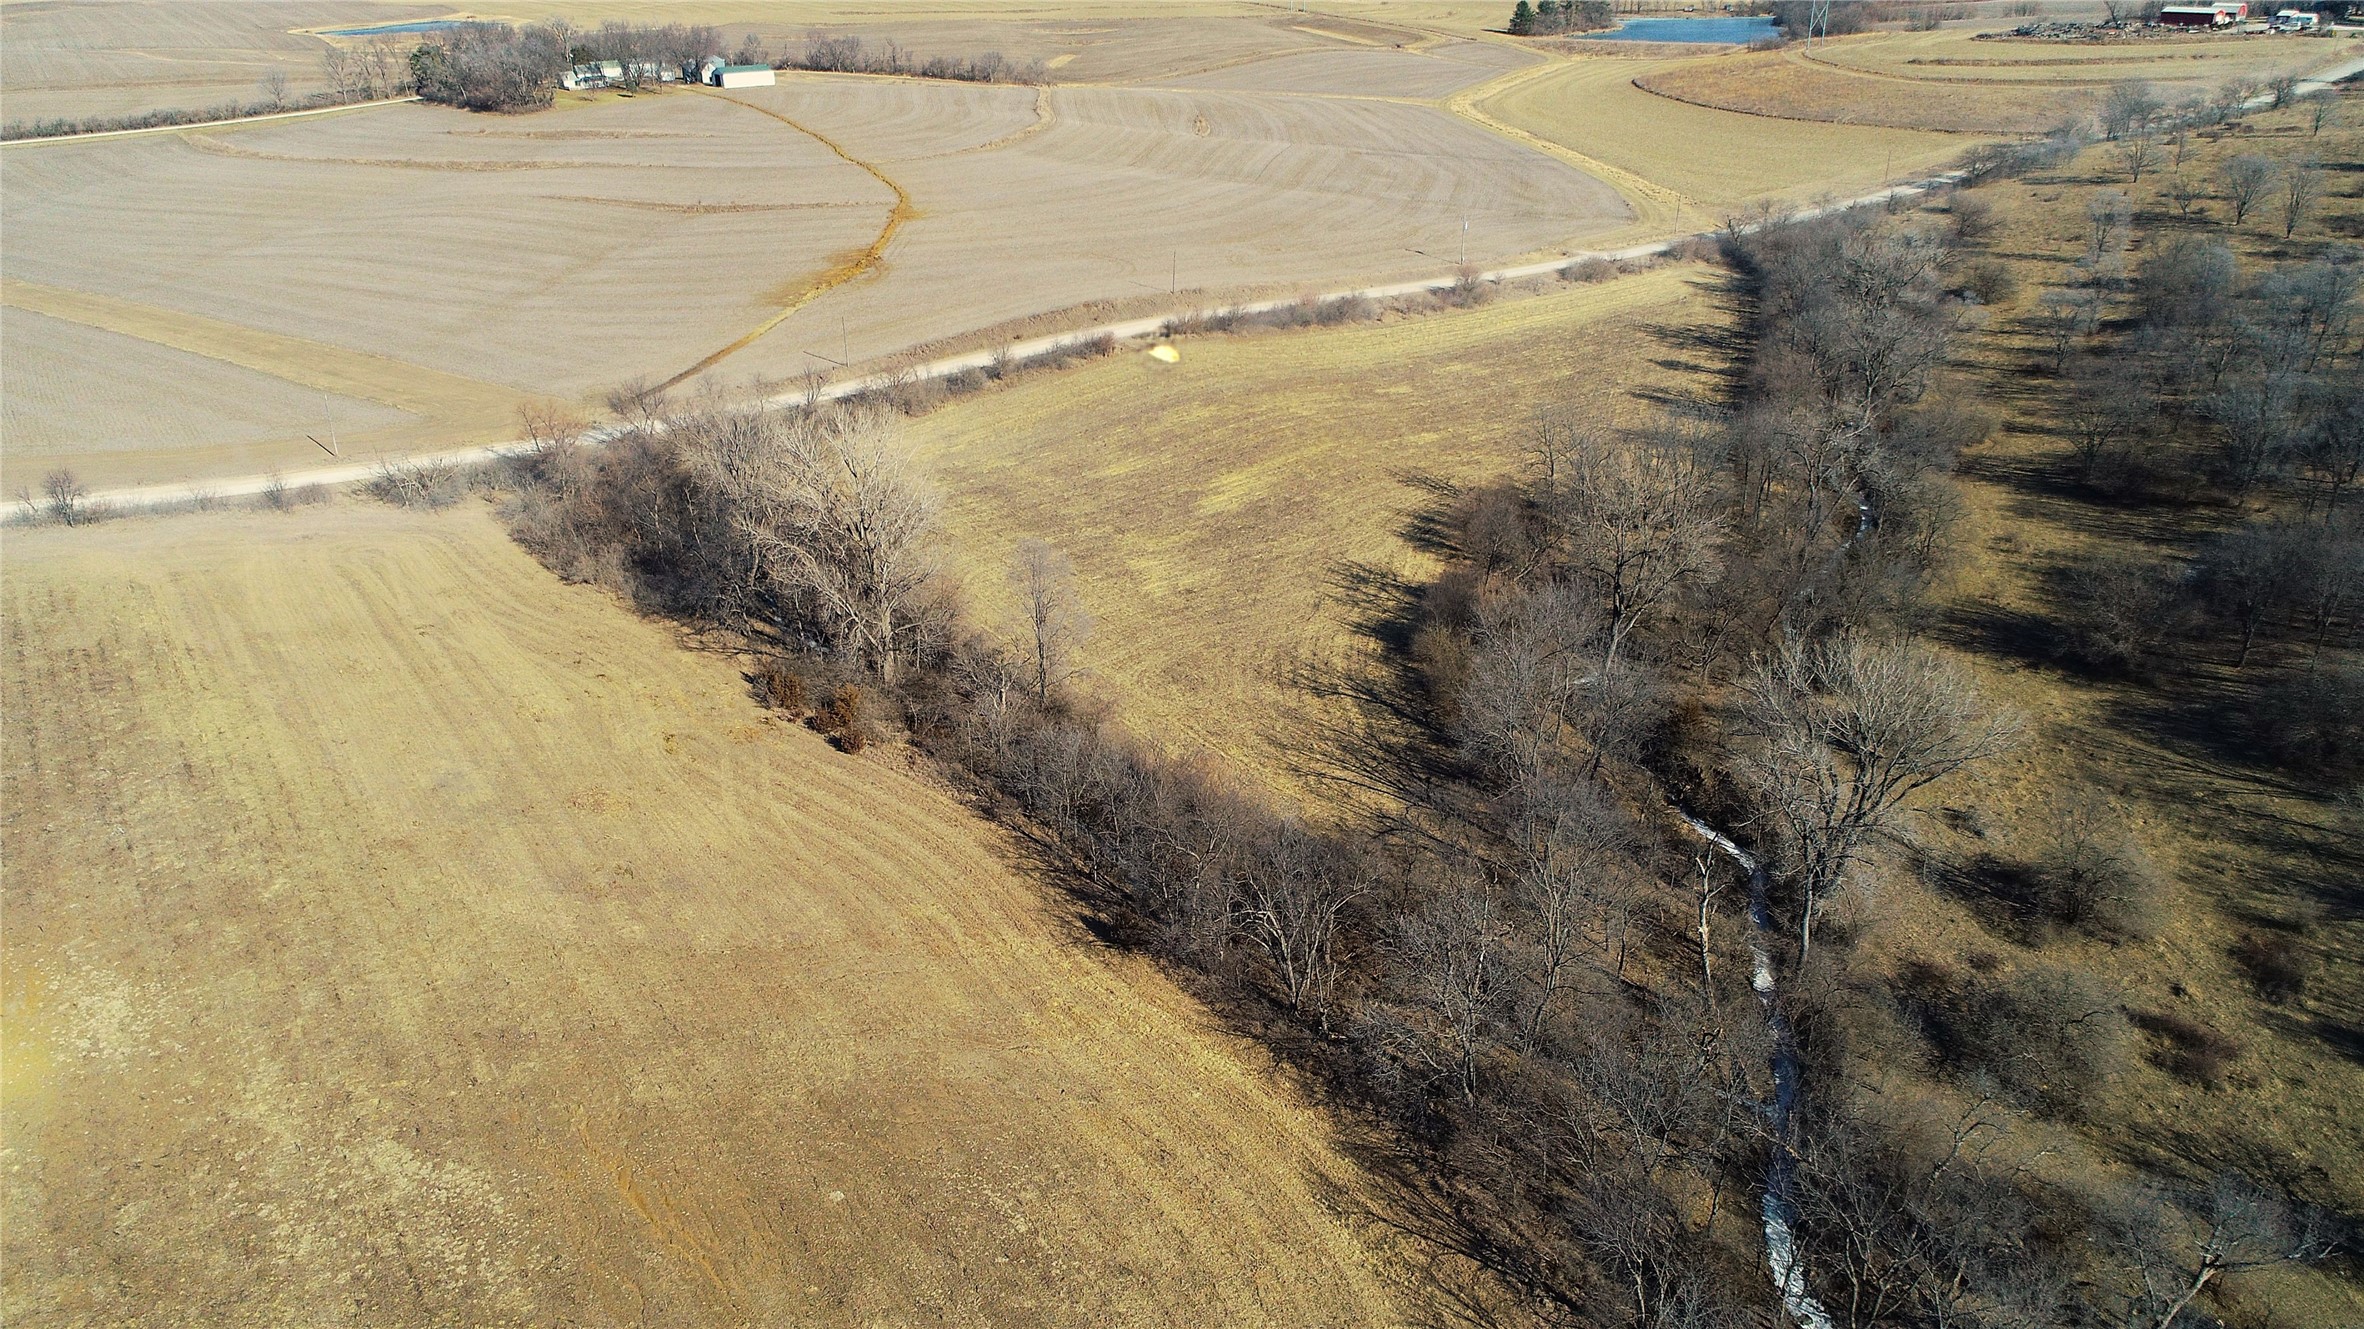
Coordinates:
(1212, 506)
(2242, 1072)
(1713, 162)
(1945, 81)
(397, 935)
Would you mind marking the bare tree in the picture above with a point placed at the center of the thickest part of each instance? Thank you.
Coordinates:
(2107, 409)
(275, 87)
(64, 496)
(1291, 904)
(1452, 962)
(834, 511)
(2185, 191)
(1634, 524)
(1052, 622)
(1846, 729)
(2245, 180)
(2322, 107)
(2166, 1257)
(2301, 186)
(2283, 86)
(2136, 153)
(342, 71)
(2127, 107)
(2069, 314)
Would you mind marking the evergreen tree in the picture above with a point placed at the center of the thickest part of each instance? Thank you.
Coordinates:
(1522, 19)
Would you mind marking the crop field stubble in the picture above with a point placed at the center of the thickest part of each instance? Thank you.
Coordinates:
(73, 60)
(396, 934)
(1715, 162)
(558, 255)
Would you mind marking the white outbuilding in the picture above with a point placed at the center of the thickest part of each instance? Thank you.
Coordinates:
(745, 76)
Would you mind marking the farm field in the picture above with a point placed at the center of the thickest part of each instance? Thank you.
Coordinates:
(1712, 161)
(1209, 504)
(1946, 81)
(562, 254)
(397, 936)
(79, 59)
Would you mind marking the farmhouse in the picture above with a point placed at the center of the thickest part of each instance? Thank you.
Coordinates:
(605, 73)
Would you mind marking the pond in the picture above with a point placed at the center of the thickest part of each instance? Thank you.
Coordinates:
(1737, 31)
(387, 29)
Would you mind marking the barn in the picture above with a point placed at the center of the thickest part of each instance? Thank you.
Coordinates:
(2194, 16)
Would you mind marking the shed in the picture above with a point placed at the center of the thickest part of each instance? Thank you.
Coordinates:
(745, 76)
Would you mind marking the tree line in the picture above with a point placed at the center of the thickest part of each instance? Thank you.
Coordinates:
(1500, 941)
(511, 67)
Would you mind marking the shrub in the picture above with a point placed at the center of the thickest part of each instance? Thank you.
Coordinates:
(2114, 613)
(2094, 876)
(2193, 1052)
(1990, 282)
(1590, 270)
(845, 721)
(2048, 1035)
(2277, 965)
(416, 484)
(780, 689)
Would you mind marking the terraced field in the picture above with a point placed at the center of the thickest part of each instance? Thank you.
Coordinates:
(396, 936)
(1947, 81)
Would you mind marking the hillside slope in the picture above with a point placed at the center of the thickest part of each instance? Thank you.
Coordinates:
(396, 936)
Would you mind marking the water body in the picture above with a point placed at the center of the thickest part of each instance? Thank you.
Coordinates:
(386, 29)
(1737, 31)
(1783, 1260)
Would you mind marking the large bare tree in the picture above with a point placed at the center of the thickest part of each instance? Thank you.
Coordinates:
(1846, 728)
(1634, 523)
(836, 514)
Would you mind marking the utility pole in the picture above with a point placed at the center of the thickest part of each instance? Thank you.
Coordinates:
(1465, 241)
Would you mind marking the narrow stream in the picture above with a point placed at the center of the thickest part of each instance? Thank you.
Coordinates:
(1782, 1259)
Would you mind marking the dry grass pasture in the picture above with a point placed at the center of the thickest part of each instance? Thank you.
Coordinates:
(1947, 81)
(1209, 505)
(397, 936)
(2242, 849)
(1711, 161)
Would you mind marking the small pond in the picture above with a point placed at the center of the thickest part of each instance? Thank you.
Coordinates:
(387, 29)
(1737, 31)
